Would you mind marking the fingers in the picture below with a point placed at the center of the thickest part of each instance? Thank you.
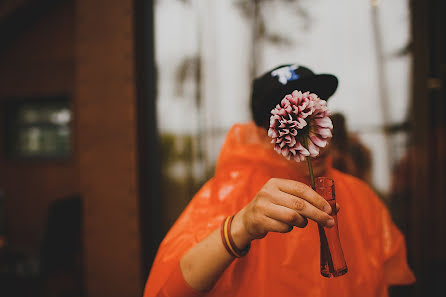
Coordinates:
(281, 204)
(303, 208)
(286, 215)
(272, 225)
(305, 192)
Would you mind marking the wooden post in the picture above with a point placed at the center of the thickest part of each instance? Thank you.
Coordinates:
(105, 103)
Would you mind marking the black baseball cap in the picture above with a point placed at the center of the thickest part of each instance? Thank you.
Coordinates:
(270, 88)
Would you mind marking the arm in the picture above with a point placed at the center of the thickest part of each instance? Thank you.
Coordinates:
(277, 207)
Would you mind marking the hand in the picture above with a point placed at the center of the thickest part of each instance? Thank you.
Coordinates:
(277, 207)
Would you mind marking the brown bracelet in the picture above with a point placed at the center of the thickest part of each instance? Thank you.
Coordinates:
(231, 241)
(222, 233)
(228, 242)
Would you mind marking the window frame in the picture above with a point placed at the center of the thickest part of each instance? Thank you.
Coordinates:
(10, 107)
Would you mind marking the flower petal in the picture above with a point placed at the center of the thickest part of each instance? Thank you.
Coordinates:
(320, 142)
(323, 132)
(324, 122)
(272, 133)
(313, 149)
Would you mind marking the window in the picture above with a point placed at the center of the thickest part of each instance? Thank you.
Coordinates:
(37, 128)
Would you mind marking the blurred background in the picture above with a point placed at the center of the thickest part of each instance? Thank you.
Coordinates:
(113, 112)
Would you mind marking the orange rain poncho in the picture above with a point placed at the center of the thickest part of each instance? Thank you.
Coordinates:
(285, 264)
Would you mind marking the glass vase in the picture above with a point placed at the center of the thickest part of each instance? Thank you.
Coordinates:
(332, 258)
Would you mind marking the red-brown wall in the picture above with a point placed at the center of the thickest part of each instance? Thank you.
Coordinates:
(84, 48)
(40, 61)
(107, 119)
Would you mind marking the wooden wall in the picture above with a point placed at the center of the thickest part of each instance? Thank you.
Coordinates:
(107, 145)
(427, 204)
(40, 62)
(84, 48)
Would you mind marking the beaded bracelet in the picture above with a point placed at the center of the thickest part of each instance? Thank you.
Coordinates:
(227, 240)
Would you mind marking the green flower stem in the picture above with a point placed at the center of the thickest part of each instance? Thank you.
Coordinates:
(310, 169)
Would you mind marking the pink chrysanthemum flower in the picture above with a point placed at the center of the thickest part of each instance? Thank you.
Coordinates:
(300, 126)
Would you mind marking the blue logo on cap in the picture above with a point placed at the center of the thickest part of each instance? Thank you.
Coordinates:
(286, 74)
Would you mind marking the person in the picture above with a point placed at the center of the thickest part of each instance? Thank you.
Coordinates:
(348, 153)
(267, 196)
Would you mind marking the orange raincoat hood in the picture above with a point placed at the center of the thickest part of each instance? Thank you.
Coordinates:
(286, 264)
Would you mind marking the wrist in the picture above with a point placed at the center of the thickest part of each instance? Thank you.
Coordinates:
(240, 235)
